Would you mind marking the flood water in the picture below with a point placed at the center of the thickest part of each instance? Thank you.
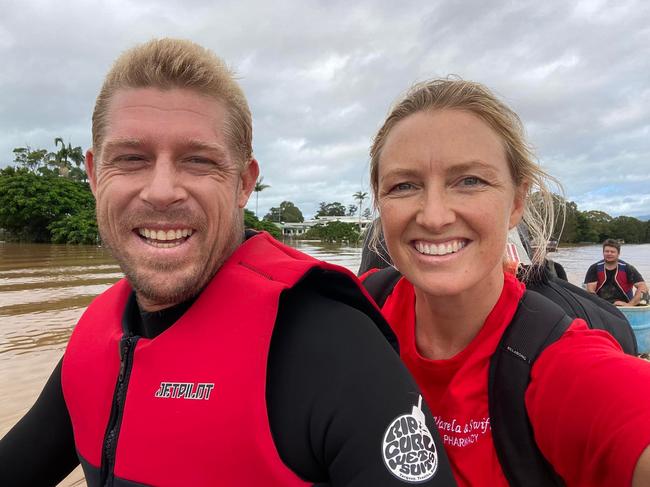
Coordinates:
(45, 288)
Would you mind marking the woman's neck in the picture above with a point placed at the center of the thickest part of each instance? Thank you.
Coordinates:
(445, 325)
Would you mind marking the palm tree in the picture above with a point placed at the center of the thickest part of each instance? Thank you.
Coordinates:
(64, 155)
(360, 196)
(259, 186)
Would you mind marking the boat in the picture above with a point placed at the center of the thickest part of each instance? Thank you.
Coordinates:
(639, 318)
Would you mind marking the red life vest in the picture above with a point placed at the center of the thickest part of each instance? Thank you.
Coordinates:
(620, 278)
(195, 406)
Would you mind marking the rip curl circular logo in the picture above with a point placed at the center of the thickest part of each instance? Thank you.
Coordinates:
(408, 448)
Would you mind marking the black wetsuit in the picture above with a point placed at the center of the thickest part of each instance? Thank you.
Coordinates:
(320, 348)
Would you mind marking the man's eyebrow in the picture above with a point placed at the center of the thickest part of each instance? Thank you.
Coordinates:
(187, 144)
(122, 142)
(194, 144)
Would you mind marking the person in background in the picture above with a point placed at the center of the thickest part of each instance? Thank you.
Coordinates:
(614, 280)
(224, 357)
(451, 175)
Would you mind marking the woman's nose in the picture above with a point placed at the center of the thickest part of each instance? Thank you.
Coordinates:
(436, 210)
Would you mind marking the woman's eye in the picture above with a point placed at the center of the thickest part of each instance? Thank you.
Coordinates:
(402, 187)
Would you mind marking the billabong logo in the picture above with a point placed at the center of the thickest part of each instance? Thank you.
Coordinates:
(185, 390)
(408, 448)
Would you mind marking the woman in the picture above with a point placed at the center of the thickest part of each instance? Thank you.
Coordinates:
(451, 174)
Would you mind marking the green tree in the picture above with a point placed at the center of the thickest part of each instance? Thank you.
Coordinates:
(599, 222)
(331, 209)
(566, 220)
(31, 160)
(30, 203)
(64, 157)
(58, 163)
(367, 213)
(627, 228)
(80, 228)
(259, 187)
(352, 210)
(586, 232)
(335, 231)
(360, 196)
(287, 212)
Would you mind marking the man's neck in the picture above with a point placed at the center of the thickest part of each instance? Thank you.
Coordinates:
(610, 266)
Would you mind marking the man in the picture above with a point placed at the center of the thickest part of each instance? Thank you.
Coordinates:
(220, 359)
(615, 280)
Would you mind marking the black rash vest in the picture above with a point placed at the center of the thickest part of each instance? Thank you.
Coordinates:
(333, 386)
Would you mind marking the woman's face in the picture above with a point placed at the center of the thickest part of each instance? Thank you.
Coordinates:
(447, 200)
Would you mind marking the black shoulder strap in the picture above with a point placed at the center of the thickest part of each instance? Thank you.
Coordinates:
(380, 284)
(537, 323)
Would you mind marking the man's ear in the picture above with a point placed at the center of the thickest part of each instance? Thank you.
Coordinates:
(91, 170)
(248, 179)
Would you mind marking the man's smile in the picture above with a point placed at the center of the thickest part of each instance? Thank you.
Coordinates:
(165, 238)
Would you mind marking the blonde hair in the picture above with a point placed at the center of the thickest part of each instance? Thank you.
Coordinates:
(457, 94)
(176, 63)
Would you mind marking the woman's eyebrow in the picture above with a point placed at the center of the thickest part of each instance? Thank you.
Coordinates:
(399, 173)
(470, 166)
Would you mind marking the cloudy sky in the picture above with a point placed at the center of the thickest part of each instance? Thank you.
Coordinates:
(321, 75)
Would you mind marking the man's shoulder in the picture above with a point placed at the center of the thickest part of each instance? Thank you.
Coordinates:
(330, 304)
(633, 273)
(592, 272)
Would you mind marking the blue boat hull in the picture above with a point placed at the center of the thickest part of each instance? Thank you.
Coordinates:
(639, 318)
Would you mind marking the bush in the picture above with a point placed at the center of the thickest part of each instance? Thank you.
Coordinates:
(335, 231)
(251, 221)
(76, 229)
(30, 203)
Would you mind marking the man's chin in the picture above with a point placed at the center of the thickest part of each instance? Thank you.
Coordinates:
(163, 292)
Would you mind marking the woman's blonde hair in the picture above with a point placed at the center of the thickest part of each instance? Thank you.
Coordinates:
(457, 94)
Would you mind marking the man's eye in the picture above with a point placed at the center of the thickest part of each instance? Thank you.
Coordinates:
(471, 181)
(199, 160)
(128, 159)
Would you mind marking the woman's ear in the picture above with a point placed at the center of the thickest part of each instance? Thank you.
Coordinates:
(519, 203)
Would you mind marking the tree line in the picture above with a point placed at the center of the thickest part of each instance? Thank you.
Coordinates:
(574, 226)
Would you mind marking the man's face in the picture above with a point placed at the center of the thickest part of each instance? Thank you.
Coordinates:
(610, 254)
(169, 191)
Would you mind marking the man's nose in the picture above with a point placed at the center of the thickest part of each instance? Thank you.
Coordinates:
(436, 209)
(164, 186)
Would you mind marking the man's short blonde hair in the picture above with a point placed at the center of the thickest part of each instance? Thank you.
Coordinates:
(175, 63)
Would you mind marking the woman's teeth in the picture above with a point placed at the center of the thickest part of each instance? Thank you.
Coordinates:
(439, 249)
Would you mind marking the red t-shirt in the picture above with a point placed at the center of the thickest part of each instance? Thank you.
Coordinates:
(590, 439)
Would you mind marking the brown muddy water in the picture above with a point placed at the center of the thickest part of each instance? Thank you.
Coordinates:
(45, 288)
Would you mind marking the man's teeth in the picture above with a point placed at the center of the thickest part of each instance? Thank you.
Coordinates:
(164, 235)
(440, 249)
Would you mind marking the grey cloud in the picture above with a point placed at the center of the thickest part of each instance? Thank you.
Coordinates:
(321, 75)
